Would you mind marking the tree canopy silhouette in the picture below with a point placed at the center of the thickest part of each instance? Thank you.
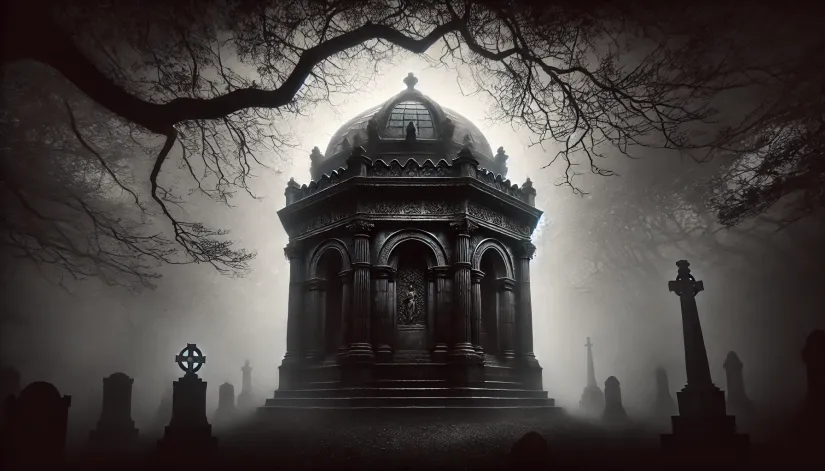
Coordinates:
(215, 78)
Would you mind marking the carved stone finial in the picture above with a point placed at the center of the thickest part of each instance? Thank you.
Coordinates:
(316, 155)
(292, 183)
(410, 131)
(345, 145)
(500, 155)
(527, 249)
(410, 80)
(372, 127)
(292, 250)
(468, 141)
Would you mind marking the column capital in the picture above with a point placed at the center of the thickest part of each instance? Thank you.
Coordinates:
(685, 283)
(383, 271)
(464, 227)
(316, 284)
(292, 249)
(477, 275)
(525, 249)
(506, 283)
(345, 276)
(441, 271)
(360, 227)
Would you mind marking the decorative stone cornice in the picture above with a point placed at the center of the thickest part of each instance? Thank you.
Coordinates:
(345, 276)
(292, 250)
(383, 271)
(445, 271)
(316, 284)
(506, 284)
(477, 275)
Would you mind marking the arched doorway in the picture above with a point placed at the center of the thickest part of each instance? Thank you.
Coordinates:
(327, 302)
(493, 267)
(412, 296)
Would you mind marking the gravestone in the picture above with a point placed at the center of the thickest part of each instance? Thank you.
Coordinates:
(592, 399)
(164, 411)
(9, 386)
(814, 410)
(188, 431)
(226, 412)
(613, 410)
(116, 429)
(702, 421)
(37, 425)
(530, 452)
(664, 407)
(738, 402)
(246, 400)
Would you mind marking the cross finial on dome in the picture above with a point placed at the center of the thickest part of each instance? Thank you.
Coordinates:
(410, 80)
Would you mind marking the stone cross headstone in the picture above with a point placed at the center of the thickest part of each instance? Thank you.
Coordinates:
(189, 431)
(116, 427)
(530, 452)
(613, 409)
(592, 399)
(738, 402)
(702, 420)
(226, 412)
(246, 399)
(814, 411)
(37, 425)
(664, 407)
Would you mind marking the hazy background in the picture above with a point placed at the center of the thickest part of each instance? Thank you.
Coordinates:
(762, 296)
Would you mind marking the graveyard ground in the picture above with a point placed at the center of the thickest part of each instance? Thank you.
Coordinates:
(423, 443)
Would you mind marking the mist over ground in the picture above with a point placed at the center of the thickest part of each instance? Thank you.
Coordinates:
(600, 271)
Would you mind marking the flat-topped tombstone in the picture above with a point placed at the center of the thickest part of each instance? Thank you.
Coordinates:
(116, 427)
(37, 424)
(9, 386)
(227, 412)
(530, 452)
(613, 409)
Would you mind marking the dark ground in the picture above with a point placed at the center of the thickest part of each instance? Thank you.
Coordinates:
(444, 443)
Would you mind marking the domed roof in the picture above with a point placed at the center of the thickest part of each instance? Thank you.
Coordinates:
(439, 134)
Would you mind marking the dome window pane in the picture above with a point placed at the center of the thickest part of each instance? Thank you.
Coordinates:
(407, 111)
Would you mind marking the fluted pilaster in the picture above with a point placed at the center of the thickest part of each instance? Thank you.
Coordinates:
(295, 301)
(360, 348)
(506, 309)
(462, 349)
(382, 338)
(313, 333)
(346, 311)
(477, 276)
(443, 311)
(524, 314)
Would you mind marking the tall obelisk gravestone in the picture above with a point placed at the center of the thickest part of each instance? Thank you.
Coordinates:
(702, 420)
(189, 430)
(592, 400)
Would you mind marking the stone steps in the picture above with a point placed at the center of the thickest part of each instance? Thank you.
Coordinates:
(431, 401)
(411, 392)
(415, 383)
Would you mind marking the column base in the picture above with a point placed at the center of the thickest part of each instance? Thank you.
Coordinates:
(289, 373)
(383, 354)
(463, 353)
(440, 353)
(530, 372)
(703, 422)
(360, 353)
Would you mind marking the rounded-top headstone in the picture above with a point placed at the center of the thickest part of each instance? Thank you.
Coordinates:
(40, 391)
(814, 347)
(611, 382)
(732, 361)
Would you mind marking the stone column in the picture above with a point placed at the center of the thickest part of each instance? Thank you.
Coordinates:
(443, 312)
(383, 310)
(462, 350)
(524, 314)
(477, 276)
(360, 348)
(295, 302)
(313, 316)
(346, 312)
(506, 309)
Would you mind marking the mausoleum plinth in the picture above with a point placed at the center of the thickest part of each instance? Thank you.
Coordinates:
(409, 262)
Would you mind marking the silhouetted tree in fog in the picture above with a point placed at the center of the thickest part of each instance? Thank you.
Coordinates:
(215, 79)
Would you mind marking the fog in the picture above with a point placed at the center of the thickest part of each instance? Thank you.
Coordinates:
(757, 301)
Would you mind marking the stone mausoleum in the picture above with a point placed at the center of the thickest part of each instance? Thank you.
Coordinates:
(409, 258)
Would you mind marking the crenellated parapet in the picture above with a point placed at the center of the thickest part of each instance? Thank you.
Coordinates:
(463, 165)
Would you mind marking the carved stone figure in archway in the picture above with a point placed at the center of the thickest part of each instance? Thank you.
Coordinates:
(409, 313)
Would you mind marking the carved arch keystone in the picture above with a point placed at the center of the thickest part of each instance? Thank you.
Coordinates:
(493, 244)
(329, 244)
(402, 236)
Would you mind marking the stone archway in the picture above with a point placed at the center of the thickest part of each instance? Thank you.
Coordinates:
(327, 299)
(494, 311)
